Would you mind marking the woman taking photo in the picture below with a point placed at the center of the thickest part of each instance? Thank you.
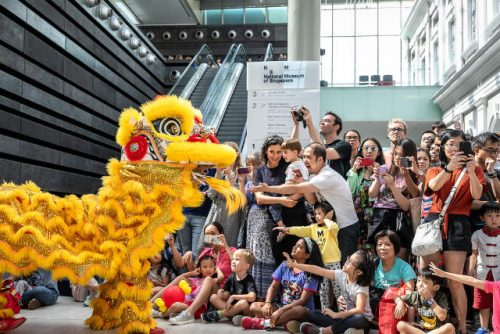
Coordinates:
(359, 178)
(353, 137)
(456, 229)
(392, 187)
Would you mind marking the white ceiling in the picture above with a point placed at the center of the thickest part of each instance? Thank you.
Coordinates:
(164, 12)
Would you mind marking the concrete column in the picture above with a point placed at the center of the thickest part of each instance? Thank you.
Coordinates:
(482, 115)
(304, 29)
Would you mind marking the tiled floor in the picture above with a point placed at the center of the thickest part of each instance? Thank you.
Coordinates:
(68, 316)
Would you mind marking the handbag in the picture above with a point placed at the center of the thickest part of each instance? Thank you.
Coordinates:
(428, 239)
(387, 324)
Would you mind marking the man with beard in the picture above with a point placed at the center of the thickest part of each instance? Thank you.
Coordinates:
(338, 152)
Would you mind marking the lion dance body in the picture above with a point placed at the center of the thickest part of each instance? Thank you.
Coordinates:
(112, 234)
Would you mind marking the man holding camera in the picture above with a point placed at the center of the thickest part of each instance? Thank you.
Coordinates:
(338, 152)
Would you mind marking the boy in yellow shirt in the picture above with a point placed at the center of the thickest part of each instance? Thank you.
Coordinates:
(324, 232)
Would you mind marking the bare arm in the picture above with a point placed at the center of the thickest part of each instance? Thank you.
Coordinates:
(410, 184)
(464, 279)
(286, 189)
(310, 268)
(249, 297)
(361, 299)
(476, 188)
(176, 256)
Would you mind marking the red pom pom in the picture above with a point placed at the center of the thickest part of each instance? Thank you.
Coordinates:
(136, 148)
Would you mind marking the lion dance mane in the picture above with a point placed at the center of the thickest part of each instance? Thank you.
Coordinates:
(165, 146)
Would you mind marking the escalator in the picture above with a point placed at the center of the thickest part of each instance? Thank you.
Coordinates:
(200, 91)
(235, 117)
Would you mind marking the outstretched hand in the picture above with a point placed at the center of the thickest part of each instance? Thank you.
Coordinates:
(289, 261)
(436, 270)
(261, 187)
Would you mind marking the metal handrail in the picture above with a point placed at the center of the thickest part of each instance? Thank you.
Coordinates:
(269, 55)
(213, 109)
(217, 81)
(204, 55)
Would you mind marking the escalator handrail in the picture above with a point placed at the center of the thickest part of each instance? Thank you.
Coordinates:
(204, 55)
(214, 117)
(269, 55)
(221, 74)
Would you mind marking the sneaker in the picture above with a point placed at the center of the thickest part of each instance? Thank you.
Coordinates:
(252, 323)
(237, 319)
(34, 304)
(185, 317)
(280, 237)
(354, 331)
(308, 328)
(8, 324)
(293, 326)
(156, 314)
(482, 330)
(209, 317)
(88, 300)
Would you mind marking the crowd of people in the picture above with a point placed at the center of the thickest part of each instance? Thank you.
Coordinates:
(327, 235)
(324, 244)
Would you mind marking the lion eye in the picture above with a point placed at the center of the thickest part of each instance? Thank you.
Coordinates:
(168, 126)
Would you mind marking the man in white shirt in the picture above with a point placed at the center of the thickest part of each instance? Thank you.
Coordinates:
(332, 187)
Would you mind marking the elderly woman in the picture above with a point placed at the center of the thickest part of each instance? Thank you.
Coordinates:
(390, 270)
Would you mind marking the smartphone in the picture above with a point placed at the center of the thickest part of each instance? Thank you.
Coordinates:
(297, 172)
(243, 170)
(466, 147)
(366, 162)
(404, 162)
(383, 171)
(212, 239)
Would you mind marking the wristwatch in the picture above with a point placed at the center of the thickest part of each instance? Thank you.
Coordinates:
(446, 170)
(431, 301)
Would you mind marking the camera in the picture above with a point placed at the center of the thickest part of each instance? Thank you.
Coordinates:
(405, 162)
(243, 170)
(299, 115)
(212, 239)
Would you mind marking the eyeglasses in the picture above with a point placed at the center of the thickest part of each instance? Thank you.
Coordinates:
(349, 261)
(352, 138)
(451, 145)
(370, 148)
(490, 150)
(396, 130)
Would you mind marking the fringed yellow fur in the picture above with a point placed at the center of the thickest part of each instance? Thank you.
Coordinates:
(234, 198)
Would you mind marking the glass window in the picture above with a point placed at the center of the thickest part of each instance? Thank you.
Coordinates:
(326, 60)
(366, 56)
(213, 16)
(390, 4)
(389, 57)
(233, 16)
(255, 15)
(343, 22)
(451, 42)
(326, 22)
(389, 21)
(366, 22)
(277, 14)
(435, 61)
(343, 61)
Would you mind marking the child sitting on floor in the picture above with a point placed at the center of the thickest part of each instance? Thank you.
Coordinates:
(430, 305)
(353, 279)
(296, 286)
(238, 292)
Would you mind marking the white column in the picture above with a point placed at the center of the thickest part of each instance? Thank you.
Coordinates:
(482, 115)
(304, 29)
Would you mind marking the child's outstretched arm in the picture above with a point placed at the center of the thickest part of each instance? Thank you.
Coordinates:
(464, 279)
(310, 268)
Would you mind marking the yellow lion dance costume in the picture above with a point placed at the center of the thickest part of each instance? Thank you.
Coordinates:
(112, 234)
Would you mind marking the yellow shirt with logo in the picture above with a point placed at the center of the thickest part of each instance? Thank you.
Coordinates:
(325, 236)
